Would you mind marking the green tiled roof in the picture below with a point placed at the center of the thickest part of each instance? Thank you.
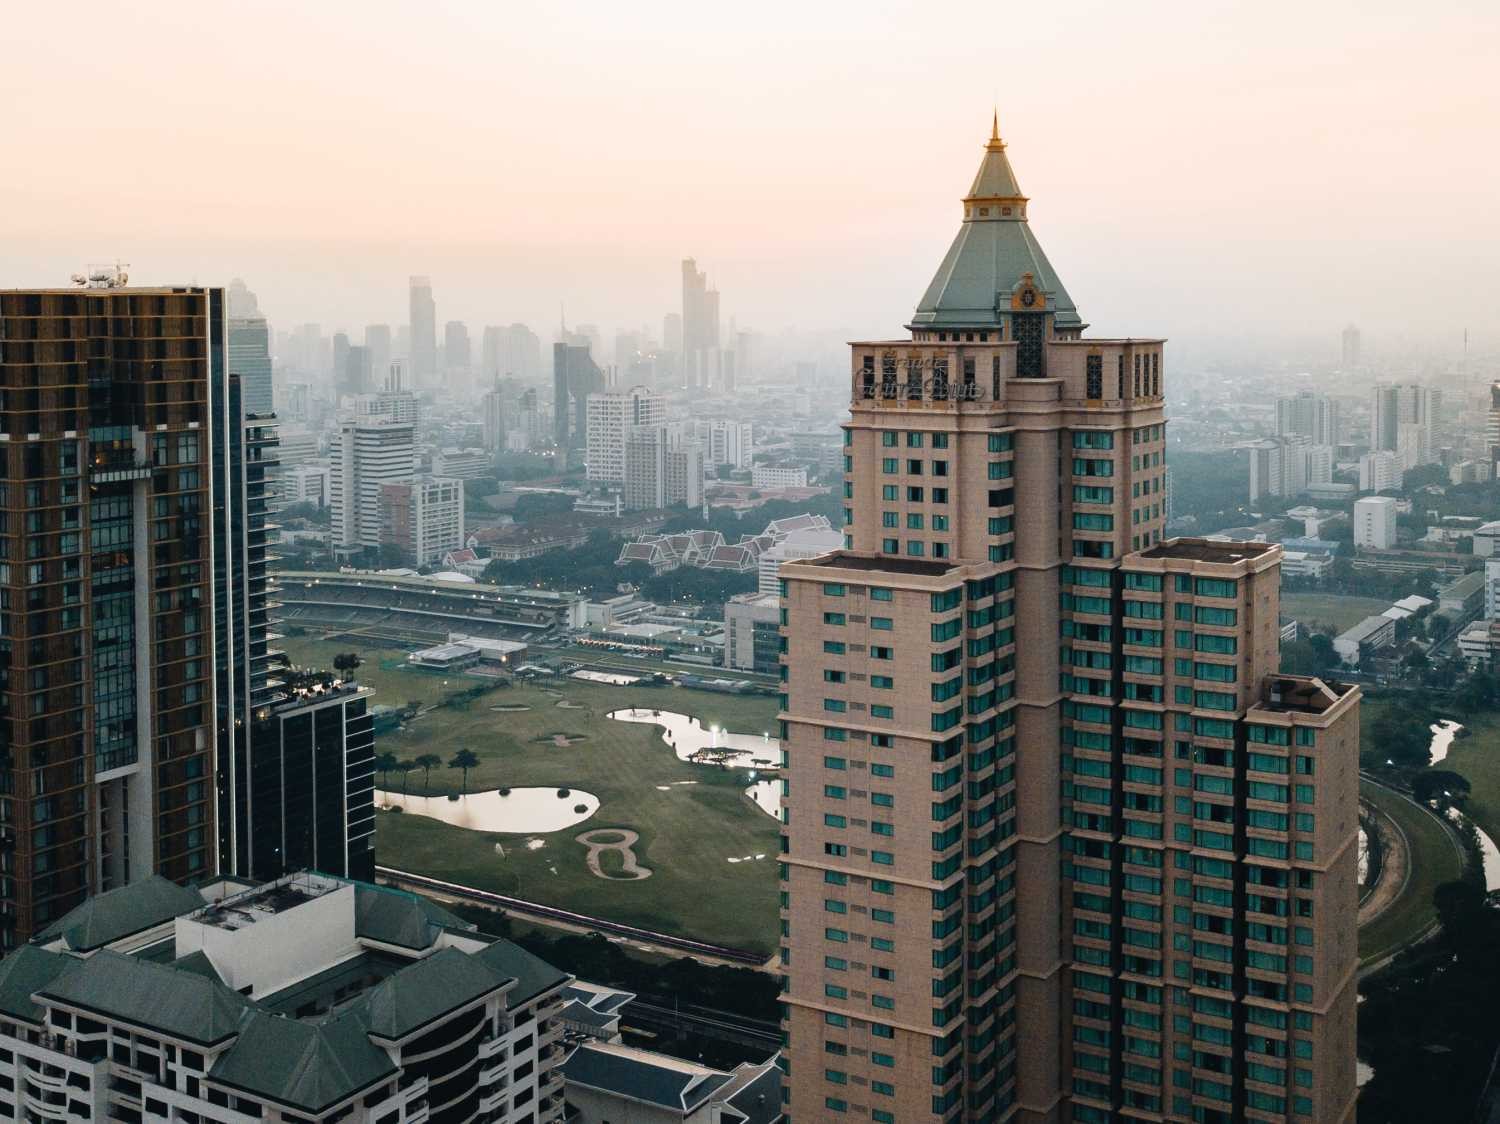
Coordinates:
(120, 912)
(532, 974)
(173, 1001)
(397, 918)
(431, 987)
(987, 259)
(306, 1065)
(198, 961)
(25, 972)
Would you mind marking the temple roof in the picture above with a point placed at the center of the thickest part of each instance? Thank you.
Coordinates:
(990, 256)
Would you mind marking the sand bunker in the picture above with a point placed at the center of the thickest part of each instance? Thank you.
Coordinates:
(617, 839)
(691, 741)
(510, 708)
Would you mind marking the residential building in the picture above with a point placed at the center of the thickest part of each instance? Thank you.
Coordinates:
(109, 750)
(298, 446)
(307, 998)
(355, 375)
(575, 376)
(1375, 523)
(778, 476)
(610, 417)
(1380, 471)
(663, 468)
(423, 321)
(423, 518)
(1369, 637)
(1486, 536)
(726, 442)
(1310, 415)
(365, 455)
(1471, 472)
(513, 350)
(611, 1083)
(1036, 863)
(1315, 564)
(1492, 426)
(1413, 445)
(1479, 644)
(752, 632)
(456, 352)
(1286, 466)
(378, 348)
(1395, 405)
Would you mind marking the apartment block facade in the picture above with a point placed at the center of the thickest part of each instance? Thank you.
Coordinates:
(1059, 844)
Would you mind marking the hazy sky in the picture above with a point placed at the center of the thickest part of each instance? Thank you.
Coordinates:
(1196, 169)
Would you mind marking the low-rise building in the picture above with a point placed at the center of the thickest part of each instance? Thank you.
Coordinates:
(1464, 595)
(305, 999)
(1479, 644)
(462, 652)
(1485, 538)
(1365, 639)
(752, 632)
(305, 483)
(1306, 563)
(609, 1084)
(777, 476)
(463, 464)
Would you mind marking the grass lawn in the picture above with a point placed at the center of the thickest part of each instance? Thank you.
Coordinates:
(392, 688)
(1434, 860)
(1477, 758)
(686, 832)
(1319, 611)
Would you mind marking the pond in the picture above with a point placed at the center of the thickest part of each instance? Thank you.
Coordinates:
(1364, 857)
(692, 741)
(1488, 852)
(523, 811)
(1444, 730)
(611, 678)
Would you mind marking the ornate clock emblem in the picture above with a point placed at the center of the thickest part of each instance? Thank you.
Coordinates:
(1028, 298)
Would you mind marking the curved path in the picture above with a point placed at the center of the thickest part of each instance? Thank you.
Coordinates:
(1395, 868)
(622, 840)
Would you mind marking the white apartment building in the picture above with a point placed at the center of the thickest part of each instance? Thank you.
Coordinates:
(663, 468)
(297, 446)
(726, 442)
(776, 476)
(1414, 445)
(1375, 523)
(464, 464)
(611, 415)
(423, 518)
(366, 454)
(806, 543)
(1492, 589)
(1379, 471)
(305, 483)
(492, 407)
(307, 999)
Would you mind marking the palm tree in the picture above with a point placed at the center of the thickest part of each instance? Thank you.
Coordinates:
(464, 760)
(405, 767)
(346, 661)
(427, 762)
(383, 765)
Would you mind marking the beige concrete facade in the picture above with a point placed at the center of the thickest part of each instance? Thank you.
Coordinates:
(1045, 856)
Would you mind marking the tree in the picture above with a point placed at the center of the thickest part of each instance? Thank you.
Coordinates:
(384, 764)
(405, 767)
(346, 661)
(464, 760)
(427, 762)
(1430, 783)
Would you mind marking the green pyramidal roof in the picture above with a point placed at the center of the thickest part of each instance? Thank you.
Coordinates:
(993, 251)
(121, 912)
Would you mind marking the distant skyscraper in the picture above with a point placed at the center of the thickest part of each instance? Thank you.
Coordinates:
(1043, 858)
(356, 376)
(378, 344)
(700, 326)
(456, 346)
(423, 333)
(663, 468)
(671, 332)
(575, 376)
(1393, 406)
(494, 414)
(340, 358)
(250, 358)
(1349, 346)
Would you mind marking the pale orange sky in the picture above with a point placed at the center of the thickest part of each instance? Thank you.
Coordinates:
(1196, 169)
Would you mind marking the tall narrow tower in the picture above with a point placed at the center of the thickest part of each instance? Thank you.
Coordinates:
(423, 314)
(1060, 844)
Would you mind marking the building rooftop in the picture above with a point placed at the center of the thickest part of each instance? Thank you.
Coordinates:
(1365, 629)
(246, 908)
(1205, 550)
(1302, 694)
(1465, 586)
(843, 560)
(641, 1075)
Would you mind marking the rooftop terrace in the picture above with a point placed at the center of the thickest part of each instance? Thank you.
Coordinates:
(1207, 550)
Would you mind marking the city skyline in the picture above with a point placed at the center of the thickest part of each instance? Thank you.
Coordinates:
(1224, 238)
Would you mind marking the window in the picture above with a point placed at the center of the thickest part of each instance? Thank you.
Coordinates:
(1094, 376)
(833, 618)
(890, 466)
(882, 624)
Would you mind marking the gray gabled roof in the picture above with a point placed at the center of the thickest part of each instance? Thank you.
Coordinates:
(640, 1076)
(532, 974)
(412, 998)
(308, 1066)
(759, 1099)
(117, 913)
(397, 918)
(171, 1001)
(25, 972)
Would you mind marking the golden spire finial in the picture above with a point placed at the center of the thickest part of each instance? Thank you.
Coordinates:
(995, 125)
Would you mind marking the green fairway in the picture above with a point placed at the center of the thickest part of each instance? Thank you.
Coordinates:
(1477, 758)
(1323, 611)
(688, 832)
